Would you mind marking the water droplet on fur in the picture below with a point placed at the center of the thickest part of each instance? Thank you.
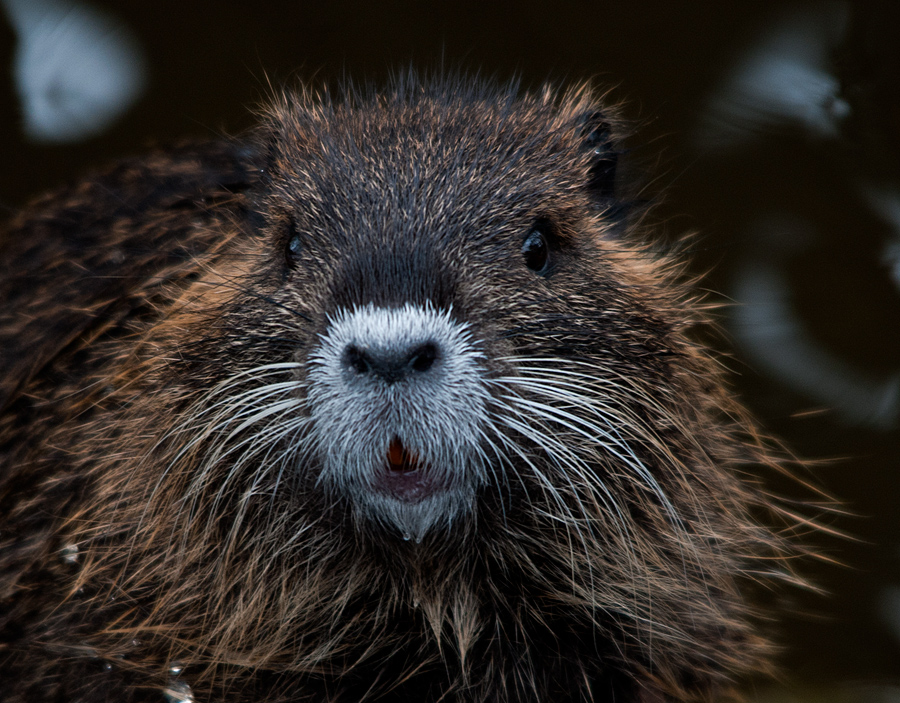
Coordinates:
(406, 536)
(107, 666)
(70, 554)
(178, 692)
(419, 539)
(175, 668)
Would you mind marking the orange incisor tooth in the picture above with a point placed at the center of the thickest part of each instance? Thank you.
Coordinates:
(396, 454)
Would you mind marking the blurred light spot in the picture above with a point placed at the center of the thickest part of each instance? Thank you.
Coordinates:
(891, 258)
(886, 203)
(783, 80)
(76, 69)
(767, 328)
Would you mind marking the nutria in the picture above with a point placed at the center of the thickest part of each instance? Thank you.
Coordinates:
(389, 399)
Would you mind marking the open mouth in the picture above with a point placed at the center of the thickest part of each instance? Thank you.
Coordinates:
(405, 476)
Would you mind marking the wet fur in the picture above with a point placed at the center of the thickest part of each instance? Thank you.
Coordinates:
(154, 342)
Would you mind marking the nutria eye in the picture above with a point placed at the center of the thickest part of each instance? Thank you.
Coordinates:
(293, 249)
(536, 251)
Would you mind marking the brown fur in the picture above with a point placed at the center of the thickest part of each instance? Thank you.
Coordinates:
(130, 297)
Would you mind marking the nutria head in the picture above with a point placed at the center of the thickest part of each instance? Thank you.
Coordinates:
(425, 420)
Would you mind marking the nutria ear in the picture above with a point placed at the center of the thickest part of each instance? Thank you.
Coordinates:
(597, 138)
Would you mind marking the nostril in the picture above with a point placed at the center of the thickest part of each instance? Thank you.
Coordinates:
(389, 364)
(423, 357)
(356, 359)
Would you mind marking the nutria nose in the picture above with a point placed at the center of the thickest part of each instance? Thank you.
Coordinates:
(391, 365)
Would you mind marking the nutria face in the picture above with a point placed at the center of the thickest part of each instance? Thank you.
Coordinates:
(412, 264)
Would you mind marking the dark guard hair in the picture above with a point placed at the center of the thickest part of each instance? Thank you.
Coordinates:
(384, 401)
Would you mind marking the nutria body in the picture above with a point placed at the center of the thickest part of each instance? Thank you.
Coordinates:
(384, 401)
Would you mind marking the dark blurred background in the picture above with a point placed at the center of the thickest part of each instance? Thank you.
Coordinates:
(771, 129)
